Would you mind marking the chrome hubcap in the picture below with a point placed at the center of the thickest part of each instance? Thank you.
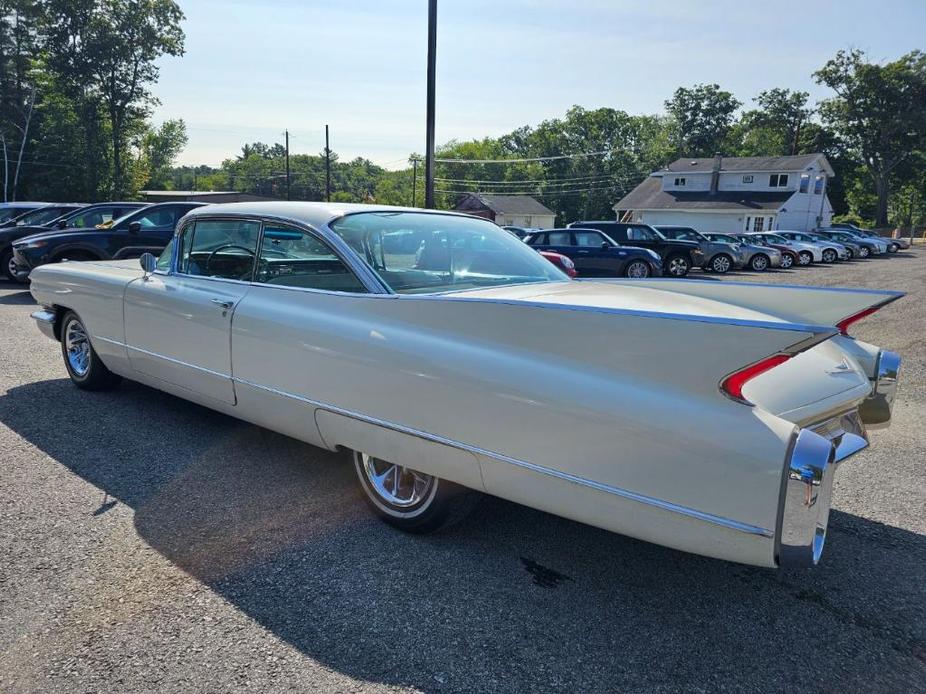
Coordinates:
(78, 348)
(805, 259)
(637, 270)
(786, 261)
(759, 263)
(721, 264)
(396, 485)
(678, 266)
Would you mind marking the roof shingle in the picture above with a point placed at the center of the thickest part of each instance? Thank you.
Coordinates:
(649, 195)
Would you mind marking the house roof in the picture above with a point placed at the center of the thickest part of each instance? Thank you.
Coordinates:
(649, 195)
(507, 204)
(798, 162)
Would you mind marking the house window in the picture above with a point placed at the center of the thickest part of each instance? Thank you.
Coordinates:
(778, 181)
(747, 178)
(759, 224)
(805, 182)
(679, 181)
(818, 185)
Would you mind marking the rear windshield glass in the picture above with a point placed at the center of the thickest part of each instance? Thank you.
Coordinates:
(420, 252)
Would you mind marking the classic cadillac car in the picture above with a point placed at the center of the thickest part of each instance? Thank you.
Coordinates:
(446, 356)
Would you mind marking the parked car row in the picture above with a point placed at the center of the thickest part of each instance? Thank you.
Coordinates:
(636, 250)
(51, 232)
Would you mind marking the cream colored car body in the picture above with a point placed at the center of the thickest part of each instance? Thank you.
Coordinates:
(598, 401)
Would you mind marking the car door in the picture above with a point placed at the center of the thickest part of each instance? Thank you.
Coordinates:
(590, 257)
(178, 323)
(154, 230)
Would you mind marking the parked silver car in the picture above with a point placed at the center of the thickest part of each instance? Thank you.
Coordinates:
(830, 250)
(852, 244)
(719, 256)
(758, 258)
(883, 245)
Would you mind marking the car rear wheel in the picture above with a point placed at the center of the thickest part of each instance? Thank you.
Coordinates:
(805, 257)
(9, 268)
(786, 261)
(84, 366)
(829, 255)
(637, 269)
(678, 265)
(721, 263)
(759, 262)
(864, 252)
(410, 500)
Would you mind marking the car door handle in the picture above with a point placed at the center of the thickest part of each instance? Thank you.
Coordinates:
(223, 303)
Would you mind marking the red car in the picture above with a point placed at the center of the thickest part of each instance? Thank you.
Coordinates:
(789, 257)
(562, 262)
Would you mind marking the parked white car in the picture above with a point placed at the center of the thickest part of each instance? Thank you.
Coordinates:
(830, 251)
(446, 356)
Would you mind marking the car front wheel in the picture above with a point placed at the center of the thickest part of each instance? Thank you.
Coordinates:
(829, 255)
(721, 263)
(84, 366)
(410, 500)
(678, 265)
(786, 261)
(637, 269)
(805, 257)
(9, 268)
(864, 252)
(759, 262)
(893, 248)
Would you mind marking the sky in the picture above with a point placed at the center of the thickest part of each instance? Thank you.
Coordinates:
(253, 69)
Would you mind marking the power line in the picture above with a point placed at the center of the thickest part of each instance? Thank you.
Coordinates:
(522, 160)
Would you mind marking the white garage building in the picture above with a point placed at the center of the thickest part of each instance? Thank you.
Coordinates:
(734, 194)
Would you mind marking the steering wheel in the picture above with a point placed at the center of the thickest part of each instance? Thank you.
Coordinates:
(222, 248)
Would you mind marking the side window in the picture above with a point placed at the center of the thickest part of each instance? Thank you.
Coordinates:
(639, 234)
(588, 239)
(293, 258)
(164, 258)
(223, 248)
(559, 238)
(165, 217)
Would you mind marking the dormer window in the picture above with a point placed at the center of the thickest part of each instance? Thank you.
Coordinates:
(805, 182)
(747, 178)
(679, 182)
(778, 181)
(818, 185)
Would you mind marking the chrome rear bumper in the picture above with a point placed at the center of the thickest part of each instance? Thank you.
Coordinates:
(875, 411)
(808, 487)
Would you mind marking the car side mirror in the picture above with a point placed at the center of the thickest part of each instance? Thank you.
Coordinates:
(62, 224)
(148, 264)
(605, 245)
(134, 227)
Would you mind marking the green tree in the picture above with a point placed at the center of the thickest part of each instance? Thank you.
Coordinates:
(703, 115)
(775, 126)
(878, 112)
(157, 149)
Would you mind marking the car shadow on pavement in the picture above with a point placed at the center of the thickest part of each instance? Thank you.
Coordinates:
(16, 298)
(278, 529)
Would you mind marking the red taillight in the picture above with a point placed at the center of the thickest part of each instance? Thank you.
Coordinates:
(733, 384)
(844, 324)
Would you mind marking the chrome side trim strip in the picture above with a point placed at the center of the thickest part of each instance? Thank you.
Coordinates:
(165, 358)
(616, 491)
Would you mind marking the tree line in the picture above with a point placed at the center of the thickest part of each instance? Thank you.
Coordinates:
(75, 103)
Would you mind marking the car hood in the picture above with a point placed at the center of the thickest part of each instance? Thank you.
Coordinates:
(14, 231)
(58, 233)
(597, 294)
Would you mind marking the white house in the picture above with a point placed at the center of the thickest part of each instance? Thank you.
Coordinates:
(734, 194)
(508, 210)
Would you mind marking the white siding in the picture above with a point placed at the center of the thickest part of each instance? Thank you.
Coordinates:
(540, 221)
(694, 182)
(728, 222)
(801, 211)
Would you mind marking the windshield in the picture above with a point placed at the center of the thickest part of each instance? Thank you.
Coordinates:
(420, 252)
(683, 234)
(756, 240)
(775, 238)
(37, 217)
(724, 238)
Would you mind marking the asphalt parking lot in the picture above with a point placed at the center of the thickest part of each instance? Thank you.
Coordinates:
(148, 543)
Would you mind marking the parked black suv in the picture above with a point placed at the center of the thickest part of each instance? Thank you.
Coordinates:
(678, 257)
(596, 254)
(146, 230)
(83, 217)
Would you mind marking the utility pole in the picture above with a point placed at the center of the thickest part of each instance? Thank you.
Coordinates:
(288, 180)
(414, 181)
(327, 167)
(429, 136)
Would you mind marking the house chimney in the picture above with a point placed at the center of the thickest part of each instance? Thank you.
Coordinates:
(715, 172)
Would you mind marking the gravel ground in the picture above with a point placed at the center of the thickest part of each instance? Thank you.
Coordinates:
(151, 544)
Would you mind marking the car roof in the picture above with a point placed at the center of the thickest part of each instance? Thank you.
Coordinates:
(312, 213)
